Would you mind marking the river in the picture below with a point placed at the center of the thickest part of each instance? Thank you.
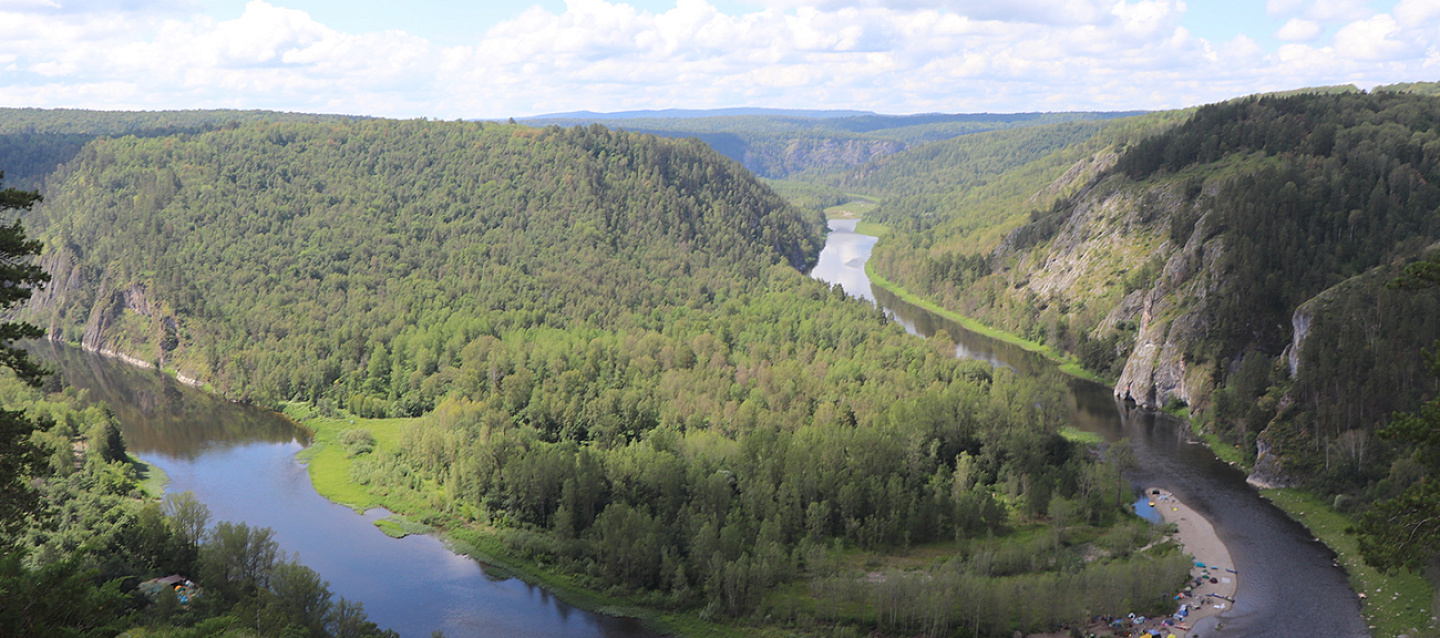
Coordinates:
(240, 461)
(1289, 585)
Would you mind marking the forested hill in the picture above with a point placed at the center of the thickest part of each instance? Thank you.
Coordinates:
(275, 259)
(618, 367)
(1234, 264)
(33, 142)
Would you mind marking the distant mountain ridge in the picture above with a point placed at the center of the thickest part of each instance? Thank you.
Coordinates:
(693, 113)
(801, 144)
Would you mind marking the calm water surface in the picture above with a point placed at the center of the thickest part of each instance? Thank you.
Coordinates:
(240, 461)
(1289, 586)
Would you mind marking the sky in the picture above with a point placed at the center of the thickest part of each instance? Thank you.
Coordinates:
(482, 59)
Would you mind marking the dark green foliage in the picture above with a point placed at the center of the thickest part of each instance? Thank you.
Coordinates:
(18, 275)
(299, 260)
(106, 442)
(93, 536)
(1403, 530)
(35, 142)
(58, 600)
(618, 364)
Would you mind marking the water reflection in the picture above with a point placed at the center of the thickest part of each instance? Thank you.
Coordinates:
(158, 414)
(240, 461)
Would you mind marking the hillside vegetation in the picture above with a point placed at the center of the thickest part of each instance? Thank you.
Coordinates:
(279, 260)
(1235, 264)
(617, 371)
(35, 142)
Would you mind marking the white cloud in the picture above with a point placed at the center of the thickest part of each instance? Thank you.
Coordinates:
(942, 55)
(1372, 39)
(1417, 13)
(1298, 30)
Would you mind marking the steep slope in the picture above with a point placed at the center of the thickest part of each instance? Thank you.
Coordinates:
(619, 371)
(1194, 270)
(272, 259)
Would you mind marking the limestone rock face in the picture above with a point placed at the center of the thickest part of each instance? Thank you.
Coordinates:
(84, 306)
(1119, 235)
(1174, 315)
(1267, 473)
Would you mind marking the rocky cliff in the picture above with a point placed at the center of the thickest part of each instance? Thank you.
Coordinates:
(86, 308)
(1237, 265)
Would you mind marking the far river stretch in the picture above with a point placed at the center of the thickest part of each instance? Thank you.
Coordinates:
(1289, 586)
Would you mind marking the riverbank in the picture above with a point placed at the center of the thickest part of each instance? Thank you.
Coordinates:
(1066, 364)
(329, 468)
(1213, 579)
(1397, 604)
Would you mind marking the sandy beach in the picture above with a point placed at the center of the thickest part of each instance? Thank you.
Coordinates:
(1197, 537)
(1206, 602)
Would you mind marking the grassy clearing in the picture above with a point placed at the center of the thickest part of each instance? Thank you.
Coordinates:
(328, 465)
(391, 528)
(1394, 605)
(1076, 435)
(1068, 364)
(152, 479)
(856, 207)
(872, 229)
(1227, 452)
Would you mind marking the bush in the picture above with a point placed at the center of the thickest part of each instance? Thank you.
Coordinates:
(357, 442)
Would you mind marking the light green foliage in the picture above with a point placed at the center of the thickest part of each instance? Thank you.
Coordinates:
(391, 246)
(1307, 199)
(618, 371)
(357, 441)
(34, 142)
(95, 530)
(1421, 88)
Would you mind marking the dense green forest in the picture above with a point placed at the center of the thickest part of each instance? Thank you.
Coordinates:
(618, 368)
(1235, 264)
(80, 535)
(305, 260)
(34, 142)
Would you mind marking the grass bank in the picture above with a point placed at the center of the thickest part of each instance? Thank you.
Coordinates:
(1067, 364)
(1394, 604)
(856, 207)
(329, 465)
(152, 479)
(329, 469)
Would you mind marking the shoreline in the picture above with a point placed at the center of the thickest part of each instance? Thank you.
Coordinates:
(1213, 578)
